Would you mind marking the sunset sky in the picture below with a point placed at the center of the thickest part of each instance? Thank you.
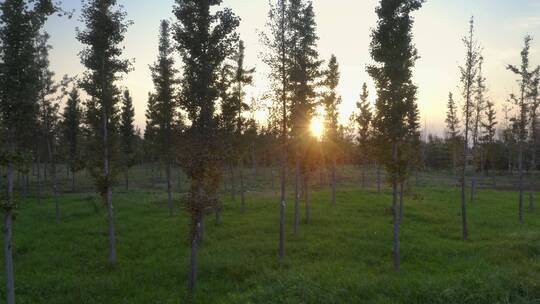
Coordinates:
(344, 30)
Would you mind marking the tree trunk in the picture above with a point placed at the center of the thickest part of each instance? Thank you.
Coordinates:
(520, 182)
(73, 181)
(242, 188)
(378, 178)
(473, 187)
(126, 179)
(396, 245)
(465, 230)
(52, 160)
(401, 189)
(233, 186)
(364, 168)
(169, 188)
(38, 179)
(307, 198)
(192, 279)
(8, 235)
(333, 182)
(296, 195)
(532, 176)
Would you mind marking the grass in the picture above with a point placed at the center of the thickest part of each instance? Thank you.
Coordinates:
(342, 256)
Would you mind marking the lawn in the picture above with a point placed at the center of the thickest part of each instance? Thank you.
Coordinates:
(342, 256)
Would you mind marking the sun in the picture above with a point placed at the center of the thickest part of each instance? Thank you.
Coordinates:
(317, 127)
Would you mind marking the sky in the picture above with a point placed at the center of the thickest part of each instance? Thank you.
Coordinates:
(344, 28)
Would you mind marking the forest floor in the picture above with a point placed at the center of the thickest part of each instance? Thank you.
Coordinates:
(342, 256)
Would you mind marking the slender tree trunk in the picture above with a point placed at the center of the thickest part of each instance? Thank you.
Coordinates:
(532, 179)
(401, 190)
(364, 168)
(52, 161)
(253, 159)
(233, 184)
(333, 181)
(73, 181)
(38, 178)
(242, 188)
(473, 187)
(307, 198)
(396, 245)
(520, 181)
(126, 179)
(379, 178)
(8, 234)
(465, 230)
(192, 279)
(296, 195)
(169, 188)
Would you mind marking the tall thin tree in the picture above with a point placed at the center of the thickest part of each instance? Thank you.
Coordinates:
(105, 28)
(395, 54)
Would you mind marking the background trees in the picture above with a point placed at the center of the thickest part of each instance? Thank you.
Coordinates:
(105, 28)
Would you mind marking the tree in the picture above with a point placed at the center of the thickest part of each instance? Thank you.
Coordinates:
(468, 74)
(205, 37)
(453, 130)
(71, 132)
(331, 101)
(489, 131)
(165, 115)
(477, 123)
(277, 58)
(523, 104)
(106, 27)
(395, 55)
(127, 134)
(304, 69)
(363, 121)
(49, 95)
(20, 24)
(533, 141)
(241, 78)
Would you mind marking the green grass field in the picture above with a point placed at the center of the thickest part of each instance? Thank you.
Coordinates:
(342, 256)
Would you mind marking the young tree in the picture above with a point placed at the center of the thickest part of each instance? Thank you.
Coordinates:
(488, 136)
(469, 73)
(277, 58)
(304, 72)
(127, 135)
(241, 78)
(106, 27)
(331, 101)
(452, 129)
(395, 55)
(49, 95)
(165, 115)
(477, 123)
(205, 37)
(522, 102)
(535, 103)
(363, 121)
(71, 133)
(20, 24)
